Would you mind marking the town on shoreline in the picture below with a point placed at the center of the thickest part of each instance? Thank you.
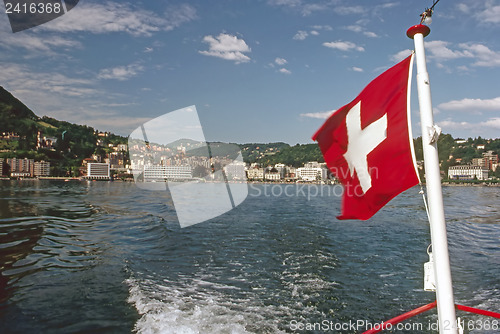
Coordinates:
(183, 161)
(43, 147)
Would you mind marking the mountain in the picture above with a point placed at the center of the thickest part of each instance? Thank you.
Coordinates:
(18, 118)
(12, 110)
(69, 143)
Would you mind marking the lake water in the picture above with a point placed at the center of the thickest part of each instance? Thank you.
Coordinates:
(109, 257)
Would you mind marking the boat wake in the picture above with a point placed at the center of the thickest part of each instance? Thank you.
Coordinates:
(196, 307)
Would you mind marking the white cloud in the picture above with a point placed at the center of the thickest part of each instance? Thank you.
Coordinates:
(319, 115)
(470, 105)
(478, 128)
(304, 7)
(489, 14)
(349, 10)
(453, 125)
(354, 28)
(370, 34)
(400, 55)
(300, 35)
(483, 55)
(120, 73)
(280, 61)
(110, 16)
(381, 11)
(357, 69)
(343, 46)
(441, 51)
(308, 9)
(284, 70)
(112, 105)
(227, 47)
(360, 29)
(21, 78)
(492, 123)
(33, 43)
(322, 27)
(289, 3)
(72, 99)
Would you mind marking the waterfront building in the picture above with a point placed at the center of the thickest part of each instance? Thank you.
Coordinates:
(487, 161)
(312, 173)
(21, 167)
(272, 174)
(162, 173)
(281, 169)
(255, 174)
(235, 171)
(478, 162)
(98, 171)
(42, 168)
(467, 172)
(490, 159)
(117, 159)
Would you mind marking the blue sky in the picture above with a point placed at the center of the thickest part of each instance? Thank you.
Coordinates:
(257, 70)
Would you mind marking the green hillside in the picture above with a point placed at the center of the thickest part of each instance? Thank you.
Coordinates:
(72, 142)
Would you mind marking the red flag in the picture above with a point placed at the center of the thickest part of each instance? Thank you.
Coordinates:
(367, 144)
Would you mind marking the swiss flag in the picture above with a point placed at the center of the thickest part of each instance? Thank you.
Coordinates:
(367, 144)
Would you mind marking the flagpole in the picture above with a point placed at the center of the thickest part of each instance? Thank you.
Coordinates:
(430, 133)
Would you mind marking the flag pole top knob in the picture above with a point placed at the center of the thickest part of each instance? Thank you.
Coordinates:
(418, 29)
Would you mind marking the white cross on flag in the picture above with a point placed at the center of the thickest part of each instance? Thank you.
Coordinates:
(367, 144)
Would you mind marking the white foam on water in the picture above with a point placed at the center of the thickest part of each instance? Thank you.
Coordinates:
(171, 307)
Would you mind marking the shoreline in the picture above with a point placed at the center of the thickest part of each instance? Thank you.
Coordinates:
(67, 179)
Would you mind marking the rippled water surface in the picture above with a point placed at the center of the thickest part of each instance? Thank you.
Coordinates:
(110, 257)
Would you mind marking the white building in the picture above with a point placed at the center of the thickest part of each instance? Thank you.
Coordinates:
(235, 170)
(467, 172)
(312, 173)
(272, 174)
(42, 168)
(158, 172)
(281, 168)
(255, 174)
(98, 171)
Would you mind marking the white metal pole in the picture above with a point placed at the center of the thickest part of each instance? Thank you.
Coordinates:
(444, 288)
